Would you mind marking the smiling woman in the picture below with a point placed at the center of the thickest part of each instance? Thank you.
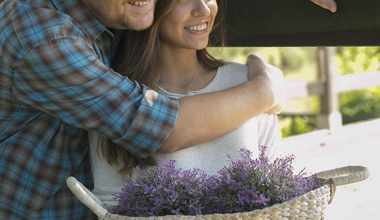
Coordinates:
(171, 57)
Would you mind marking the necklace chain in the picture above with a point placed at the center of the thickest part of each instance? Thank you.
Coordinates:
(188, 89)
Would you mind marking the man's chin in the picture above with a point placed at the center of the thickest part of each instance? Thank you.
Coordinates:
(138, 25)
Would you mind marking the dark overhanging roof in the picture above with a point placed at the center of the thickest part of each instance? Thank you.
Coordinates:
(267, 23)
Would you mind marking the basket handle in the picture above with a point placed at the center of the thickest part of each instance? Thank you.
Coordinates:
(345, 175)
(86, 197)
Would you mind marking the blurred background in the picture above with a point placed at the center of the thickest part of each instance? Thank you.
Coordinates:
(332, 116)
(300, 66)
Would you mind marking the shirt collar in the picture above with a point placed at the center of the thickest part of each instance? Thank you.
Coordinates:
(81, 14)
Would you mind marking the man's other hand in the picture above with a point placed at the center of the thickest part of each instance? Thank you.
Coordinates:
(327, 4)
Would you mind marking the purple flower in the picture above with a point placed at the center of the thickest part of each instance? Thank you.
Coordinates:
(263, 200)
(244, 185)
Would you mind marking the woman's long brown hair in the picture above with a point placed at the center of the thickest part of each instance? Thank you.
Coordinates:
(137, 57)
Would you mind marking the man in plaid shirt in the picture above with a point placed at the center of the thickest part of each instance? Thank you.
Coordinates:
(56, 85)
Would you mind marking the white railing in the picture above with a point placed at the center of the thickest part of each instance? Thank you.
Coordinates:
(328, 86)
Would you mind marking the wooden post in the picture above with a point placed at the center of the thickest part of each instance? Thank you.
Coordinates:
(329, 117)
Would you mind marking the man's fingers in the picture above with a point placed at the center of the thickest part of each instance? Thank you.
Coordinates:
(252, 58)
(256, 66)
(328, 4)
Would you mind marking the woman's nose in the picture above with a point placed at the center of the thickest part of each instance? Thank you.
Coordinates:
(201, 8)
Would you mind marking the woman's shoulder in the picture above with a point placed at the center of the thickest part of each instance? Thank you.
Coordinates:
(235, 67)
(242, 69)
(231, 74)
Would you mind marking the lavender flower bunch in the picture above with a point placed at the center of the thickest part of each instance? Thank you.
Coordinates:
(244, 185)
(164, 190)
(249, 184)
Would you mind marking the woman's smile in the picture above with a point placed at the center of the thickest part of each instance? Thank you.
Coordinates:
(188, 25)
(199, 28)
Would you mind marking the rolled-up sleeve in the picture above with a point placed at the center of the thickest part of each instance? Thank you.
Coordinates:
(65, 78)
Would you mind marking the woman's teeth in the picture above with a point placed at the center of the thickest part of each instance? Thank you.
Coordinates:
(197, 27)
(138, 3)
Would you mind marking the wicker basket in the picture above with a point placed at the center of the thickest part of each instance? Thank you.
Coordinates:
(310, 205)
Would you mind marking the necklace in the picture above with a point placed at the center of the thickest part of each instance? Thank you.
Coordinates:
(188, 89)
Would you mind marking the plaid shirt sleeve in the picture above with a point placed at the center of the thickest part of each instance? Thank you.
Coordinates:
(76, 87)
(55, 85)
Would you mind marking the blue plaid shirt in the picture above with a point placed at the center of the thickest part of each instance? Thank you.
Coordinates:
(55, 86)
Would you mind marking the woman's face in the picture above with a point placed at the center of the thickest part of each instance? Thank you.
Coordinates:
(188, 24)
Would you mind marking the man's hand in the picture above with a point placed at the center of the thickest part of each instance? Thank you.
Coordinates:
(328, 4)
(256, 67)
(273, 80)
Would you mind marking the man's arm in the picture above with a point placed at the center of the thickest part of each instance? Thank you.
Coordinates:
(206, 116)
(64, 77)
(76, 87)
(327, 4)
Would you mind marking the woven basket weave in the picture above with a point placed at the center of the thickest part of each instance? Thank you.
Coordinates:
(310, 205)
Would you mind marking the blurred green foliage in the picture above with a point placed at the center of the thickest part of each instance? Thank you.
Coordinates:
(299, 63)
(363, 104)
(360, 105)
(298, 125)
